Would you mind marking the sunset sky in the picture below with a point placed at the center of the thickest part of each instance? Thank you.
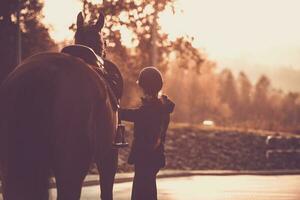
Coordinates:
(257, 36)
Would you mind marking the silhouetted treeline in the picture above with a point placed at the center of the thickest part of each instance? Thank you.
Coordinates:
(232, 100)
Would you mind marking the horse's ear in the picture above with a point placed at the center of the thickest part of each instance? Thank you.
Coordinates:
(100, 23)
(80, 20)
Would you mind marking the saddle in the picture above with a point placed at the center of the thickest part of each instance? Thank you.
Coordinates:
(105, 68)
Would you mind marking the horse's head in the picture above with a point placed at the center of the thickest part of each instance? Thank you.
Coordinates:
(90, 35)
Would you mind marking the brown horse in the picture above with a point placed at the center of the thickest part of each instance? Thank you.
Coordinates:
(56, 116)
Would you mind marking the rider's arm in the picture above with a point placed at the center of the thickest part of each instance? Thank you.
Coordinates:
(129, 114)
(168, 104)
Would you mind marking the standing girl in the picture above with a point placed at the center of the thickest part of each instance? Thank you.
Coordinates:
(151, 121)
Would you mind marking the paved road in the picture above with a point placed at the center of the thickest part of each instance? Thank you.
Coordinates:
(239, 187)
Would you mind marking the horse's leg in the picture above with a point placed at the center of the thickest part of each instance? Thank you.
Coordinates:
(14, 189)
(70, 170)
(25, 148)
(25, 180)
(106, 155)
(72, 151)
(107, 168)
(72, 130)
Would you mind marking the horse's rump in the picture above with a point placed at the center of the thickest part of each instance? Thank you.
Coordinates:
(50, 112)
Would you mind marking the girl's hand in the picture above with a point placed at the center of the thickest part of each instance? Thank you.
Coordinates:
(158, 142)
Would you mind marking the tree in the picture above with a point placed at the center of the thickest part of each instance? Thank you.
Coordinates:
(195, 94)
(290, 109)
(261, 106)
(262, 89)
(245, 94)
(151, 45)
(276, 116)
(34, 34)
(228, 90)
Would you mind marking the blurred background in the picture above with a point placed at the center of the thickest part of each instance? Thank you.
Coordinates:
(233, 65)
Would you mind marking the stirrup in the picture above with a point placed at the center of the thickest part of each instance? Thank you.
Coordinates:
(120, 137)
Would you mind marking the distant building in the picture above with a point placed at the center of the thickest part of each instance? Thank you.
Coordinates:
(208, 123)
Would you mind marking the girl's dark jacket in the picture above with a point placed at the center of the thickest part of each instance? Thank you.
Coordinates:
(151, 122)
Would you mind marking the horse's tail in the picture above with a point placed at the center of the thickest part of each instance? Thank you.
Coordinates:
(26, 103)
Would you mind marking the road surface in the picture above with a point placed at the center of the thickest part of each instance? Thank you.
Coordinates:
(239, 187)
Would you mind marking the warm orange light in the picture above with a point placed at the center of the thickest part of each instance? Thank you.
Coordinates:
(247, 31)
(60, 15)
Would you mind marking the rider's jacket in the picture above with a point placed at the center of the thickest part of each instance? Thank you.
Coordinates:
(151, 121)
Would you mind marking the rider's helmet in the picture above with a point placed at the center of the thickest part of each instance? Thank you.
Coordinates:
(150, 80)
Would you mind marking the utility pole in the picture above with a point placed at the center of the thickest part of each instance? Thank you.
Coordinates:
(84, 8)
(19, 39)
(154, 37)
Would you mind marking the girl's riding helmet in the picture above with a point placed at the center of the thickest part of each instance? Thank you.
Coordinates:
(150, 80)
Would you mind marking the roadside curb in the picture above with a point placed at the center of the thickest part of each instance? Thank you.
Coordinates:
(128, 177)
(93, 179)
